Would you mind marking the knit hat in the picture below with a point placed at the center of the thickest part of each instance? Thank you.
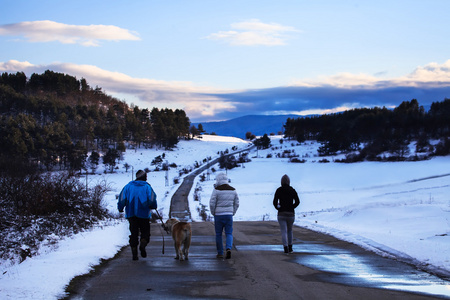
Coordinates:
(285, 180)
(140, 174)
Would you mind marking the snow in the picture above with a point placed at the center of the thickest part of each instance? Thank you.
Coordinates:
(396, 209)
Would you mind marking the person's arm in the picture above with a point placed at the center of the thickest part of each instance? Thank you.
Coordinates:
(275, 200)
(122, 200)
(213, 202)
(152, 198)
(296, 199)
(235, 204)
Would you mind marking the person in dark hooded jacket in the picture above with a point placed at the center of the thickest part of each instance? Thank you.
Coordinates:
(285, 201)
(138, 198)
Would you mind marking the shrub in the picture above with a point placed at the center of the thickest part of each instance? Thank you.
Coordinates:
(296, 160)
(350, 158)
(227, 162)
(324, 160)
(38, 209)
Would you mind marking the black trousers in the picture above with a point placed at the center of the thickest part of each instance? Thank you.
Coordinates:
(139, 226)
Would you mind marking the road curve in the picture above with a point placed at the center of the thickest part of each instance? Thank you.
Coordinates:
(179, 204)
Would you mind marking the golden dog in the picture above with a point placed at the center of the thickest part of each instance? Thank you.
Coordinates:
(181, 234)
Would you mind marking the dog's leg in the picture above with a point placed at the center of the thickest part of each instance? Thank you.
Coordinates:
(176, 250)
(180, 253)
(187, 244)
(184, 251)
(178, 247)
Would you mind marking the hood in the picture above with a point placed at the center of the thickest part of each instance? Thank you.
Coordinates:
(221, 179)
(285, 180)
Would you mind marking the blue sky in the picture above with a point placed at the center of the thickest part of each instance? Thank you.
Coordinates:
(224, 59)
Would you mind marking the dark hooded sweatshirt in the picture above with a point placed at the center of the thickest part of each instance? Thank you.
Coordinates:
(286, 200)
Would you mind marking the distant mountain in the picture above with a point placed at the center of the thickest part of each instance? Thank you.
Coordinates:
(256, 124)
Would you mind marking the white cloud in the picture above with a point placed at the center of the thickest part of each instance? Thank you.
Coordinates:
(431, 75)
(257, 25)
(316, 111)
(254, 33)
(48, 31)
(16, 66)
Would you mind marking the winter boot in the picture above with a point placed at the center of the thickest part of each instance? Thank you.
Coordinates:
(290, 249)
(286, 249)
(135, 253)
(142, 247)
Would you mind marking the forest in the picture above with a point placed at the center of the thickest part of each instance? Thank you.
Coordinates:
(55, 120)
(368, 133)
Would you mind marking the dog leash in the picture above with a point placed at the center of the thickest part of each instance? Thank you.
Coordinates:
(163, 226)
(162, 234)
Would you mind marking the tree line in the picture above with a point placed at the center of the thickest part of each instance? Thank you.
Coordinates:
(55, 119)
(373, 131)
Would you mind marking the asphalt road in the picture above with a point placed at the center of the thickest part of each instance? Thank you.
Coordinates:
(321, 267)
(179, 205)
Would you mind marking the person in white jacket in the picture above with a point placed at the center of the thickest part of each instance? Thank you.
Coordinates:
(223, 204)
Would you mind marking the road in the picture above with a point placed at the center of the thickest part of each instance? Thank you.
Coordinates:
(321, 267)
(179, 205)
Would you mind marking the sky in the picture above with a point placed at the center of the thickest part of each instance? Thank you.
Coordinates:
(397, 210)
(220, 60)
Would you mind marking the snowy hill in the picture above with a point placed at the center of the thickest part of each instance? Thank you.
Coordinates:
(396, 209)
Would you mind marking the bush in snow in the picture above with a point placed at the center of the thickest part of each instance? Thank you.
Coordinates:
(37, 208)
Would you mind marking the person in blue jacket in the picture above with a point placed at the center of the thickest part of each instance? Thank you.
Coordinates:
(138, 199)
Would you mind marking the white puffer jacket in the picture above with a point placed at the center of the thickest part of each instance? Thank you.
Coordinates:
(224, 198)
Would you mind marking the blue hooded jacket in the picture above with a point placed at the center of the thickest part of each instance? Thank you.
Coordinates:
(138, 198)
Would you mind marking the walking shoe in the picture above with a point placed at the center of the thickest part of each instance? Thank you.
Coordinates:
(286, 249)
(134, 252)
(290, 249)
(219, 255)
(228, 253)
(142, 245)
(143, 252)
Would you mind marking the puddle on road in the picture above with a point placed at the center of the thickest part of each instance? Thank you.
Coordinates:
(361, 268)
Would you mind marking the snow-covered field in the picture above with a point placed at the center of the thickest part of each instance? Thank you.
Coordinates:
(399, 209)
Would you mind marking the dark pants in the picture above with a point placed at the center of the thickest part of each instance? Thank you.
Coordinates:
(142, 226)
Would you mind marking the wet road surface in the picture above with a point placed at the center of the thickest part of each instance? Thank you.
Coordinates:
(321, 267)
